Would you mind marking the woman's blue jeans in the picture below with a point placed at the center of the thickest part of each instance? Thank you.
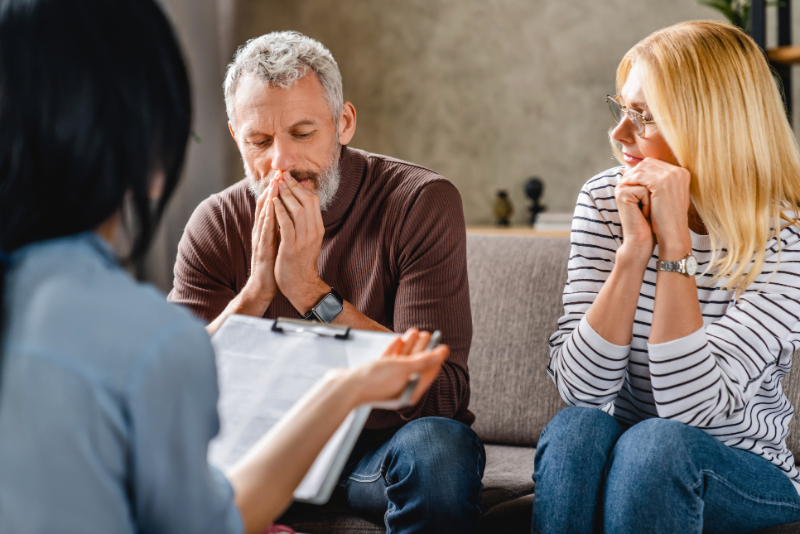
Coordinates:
(657, 476)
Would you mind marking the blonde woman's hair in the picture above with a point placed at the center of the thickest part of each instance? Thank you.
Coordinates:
(717, 105)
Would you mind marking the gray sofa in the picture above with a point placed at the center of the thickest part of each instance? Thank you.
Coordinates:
(515, 288)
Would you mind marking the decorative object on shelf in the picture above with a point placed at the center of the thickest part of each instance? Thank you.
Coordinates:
(534, 188)
(503, 208)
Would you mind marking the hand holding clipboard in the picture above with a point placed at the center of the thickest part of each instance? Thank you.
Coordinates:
(413, 381)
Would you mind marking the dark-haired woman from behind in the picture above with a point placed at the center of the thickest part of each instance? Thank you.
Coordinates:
(108, 394)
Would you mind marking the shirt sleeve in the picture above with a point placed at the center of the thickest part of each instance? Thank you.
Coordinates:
(710, 377)
(203, 279)
(587, 369)
(433, 291)
(173, 417)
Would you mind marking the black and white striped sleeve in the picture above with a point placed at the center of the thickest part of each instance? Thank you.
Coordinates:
(708, 378)
(587, 369)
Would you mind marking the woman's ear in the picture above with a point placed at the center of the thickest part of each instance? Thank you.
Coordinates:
(347, 123)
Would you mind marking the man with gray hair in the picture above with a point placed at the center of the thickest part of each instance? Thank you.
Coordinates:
(343, 236)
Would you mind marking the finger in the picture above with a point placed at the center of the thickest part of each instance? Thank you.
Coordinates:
(295, 209)
(264, 224)
(645, 200)
(394, 347)
(287, 231)
(409, 341)
(428, 365)
(422, 343)
(303, 195)
(307, 199)
(271, 227)
(658, 164)
(257, 218)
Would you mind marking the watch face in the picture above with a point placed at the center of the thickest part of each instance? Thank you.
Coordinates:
(691, 265)
(328, 309)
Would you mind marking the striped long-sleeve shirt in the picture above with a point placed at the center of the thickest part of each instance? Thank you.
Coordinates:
(724, 378)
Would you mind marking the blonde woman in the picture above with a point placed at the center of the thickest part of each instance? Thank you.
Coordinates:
(682, 303)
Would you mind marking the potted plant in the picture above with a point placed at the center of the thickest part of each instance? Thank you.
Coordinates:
(736, 11)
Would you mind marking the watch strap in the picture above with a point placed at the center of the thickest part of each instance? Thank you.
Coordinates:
(673, 266)
(682, 266)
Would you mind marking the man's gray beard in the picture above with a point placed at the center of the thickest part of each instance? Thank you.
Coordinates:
(327, 181)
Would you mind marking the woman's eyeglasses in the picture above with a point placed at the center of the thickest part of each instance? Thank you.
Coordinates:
(619, 111)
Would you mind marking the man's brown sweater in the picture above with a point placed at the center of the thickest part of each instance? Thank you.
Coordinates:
(394, 247)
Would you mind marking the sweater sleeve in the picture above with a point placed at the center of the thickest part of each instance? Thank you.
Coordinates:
(433, 291)
(587, 369)
(710, 377)
(203, 275)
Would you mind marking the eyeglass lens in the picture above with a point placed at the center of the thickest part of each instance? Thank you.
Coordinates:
(619, 114)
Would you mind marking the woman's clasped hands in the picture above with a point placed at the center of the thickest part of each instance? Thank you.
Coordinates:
(653, 200)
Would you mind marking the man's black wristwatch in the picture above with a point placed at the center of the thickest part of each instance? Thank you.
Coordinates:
(327, 309)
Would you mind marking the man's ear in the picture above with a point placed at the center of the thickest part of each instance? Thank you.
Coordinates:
(233, 133)
(347, 123)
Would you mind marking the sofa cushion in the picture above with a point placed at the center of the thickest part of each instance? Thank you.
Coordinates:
(507, 474)
(515, 290)
(791, 386)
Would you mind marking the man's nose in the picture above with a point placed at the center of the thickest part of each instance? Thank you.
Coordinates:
(283, 157)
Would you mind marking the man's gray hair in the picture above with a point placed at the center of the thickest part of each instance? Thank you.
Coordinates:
(282, 59)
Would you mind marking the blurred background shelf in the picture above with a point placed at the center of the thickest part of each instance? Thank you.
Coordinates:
(785, 55)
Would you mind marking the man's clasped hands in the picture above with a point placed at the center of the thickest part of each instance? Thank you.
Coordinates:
(287, 239)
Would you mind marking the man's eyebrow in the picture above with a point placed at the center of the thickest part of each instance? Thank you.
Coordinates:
(304, 122)
(251, 133)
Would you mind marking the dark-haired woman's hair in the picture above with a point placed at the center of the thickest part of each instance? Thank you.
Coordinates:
(94, 103)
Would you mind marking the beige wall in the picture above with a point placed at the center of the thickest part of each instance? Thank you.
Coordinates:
(486, 92)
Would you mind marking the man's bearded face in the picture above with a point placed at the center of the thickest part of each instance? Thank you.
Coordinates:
(324, 183)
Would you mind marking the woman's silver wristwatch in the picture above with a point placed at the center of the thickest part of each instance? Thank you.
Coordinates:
(686, 266)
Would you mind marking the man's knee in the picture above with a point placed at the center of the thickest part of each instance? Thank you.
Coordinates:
(437, 452)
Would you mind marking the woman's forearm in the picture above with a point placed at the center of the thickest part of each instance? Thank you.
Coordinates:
(613, 311)
(676, 312)
(264, 480)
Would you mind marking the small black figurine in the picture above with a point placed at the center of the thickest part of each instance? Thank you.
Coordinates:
(503, 208)
(534, 188)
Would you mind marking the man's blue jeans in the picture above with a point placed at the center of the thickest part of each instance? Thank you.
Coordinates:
(424, 477)
(657, 476)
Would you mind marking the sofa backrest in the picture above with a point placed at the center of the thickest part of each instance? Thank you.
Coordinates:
(515, 288)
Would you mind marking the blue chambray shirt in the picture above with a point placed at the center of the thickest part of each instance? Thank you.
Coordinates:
(107, 403)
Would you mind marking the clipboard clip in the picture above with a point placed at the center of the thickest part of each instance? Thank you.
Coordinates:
(283, 325)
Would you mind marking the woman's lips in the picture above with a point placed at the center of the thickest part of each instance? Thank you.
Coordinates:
(631, 160)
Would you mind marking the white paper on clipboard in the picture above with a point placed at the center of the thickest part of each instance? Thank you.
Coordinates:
(262, 373)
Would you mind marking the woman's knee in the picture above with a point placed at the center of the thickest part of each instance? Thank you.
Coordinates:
(658, 447)
(578, 426)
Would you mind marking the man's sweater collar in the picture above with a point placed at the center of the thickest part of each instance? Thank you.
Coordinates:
(352, 164)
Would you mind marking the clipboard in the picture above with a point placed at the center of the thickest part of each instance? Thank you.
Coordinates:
(265, 366)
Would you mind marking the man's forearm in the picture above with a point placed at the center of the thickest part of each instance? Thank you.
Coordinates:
(245, 303)
(353, 318)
